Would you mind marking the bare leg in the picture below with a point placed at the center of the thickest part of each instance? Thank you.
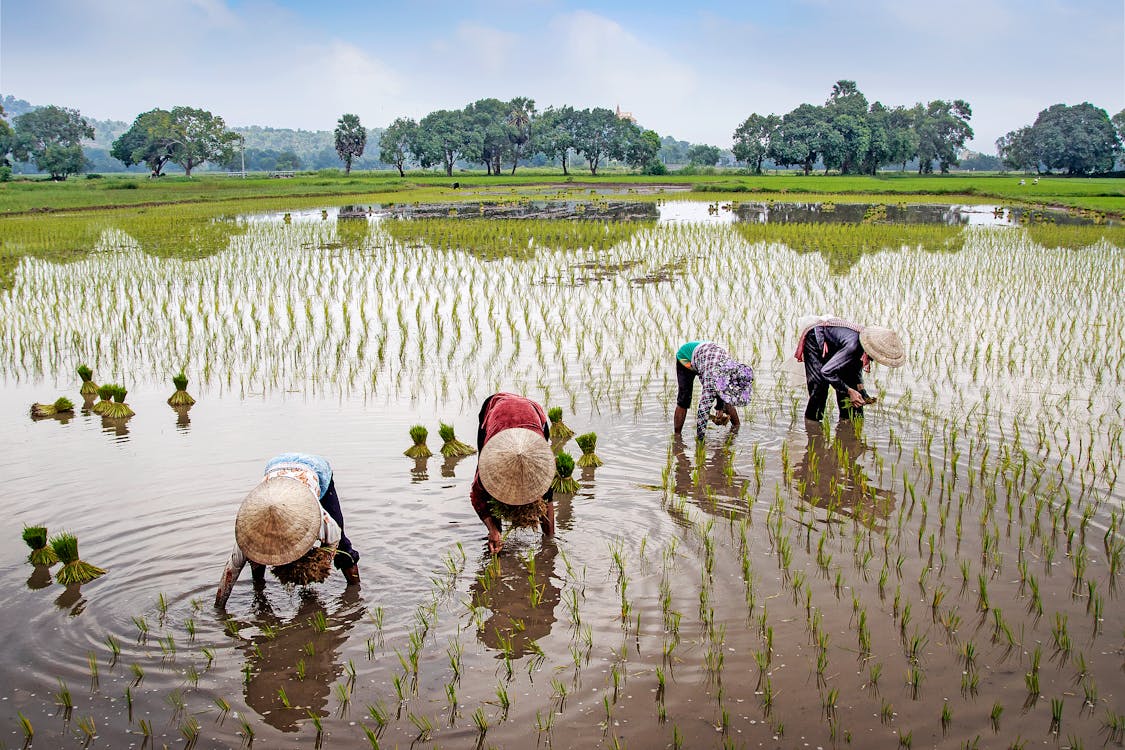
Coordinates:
(678, 419)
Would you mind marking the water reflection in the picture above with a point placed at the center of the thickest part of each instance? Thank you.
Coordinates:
(40, 578)
(520, 593)
(71, 598)
(183, 417)
(300, 657)
(421, 470)
(116, 426)
(449, 465)
(709, 479)
(830, 476)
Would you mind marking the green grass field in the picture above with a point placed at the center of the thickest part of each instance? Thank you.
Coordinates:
(1105, 195)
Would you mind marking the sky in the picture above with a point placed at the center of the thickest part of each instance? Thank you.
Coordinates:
(692, 70)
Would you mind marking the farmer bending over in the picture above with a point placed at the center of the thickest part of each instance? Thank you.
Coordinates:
(726, 383)
(292, 511)
(516, 464)
(836, 353)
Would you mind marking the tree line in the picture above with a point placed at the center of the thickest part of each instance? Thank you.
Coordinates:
(853, 137)
(846, 134)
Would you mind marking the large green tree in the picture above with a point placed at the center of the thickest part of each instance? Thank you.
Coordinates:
(1079, 139)
(151, 140)
(351, 139)
(1017, 149)
(5, 140)
(394, 144)
(442, 137)
(51, 137)
(601, 135)
(556, 134)
(800, 138)
(846, 137)
(942, 128)
(521, 117)
(752, 139)
(704, 155)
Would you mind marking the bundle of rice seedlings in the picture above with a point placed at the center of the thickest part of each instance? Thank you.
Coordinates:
(559, 430)
(105, 393)
(588, 443)
(451, 445)
(312, 567)
(73, 570)
(117, 409)
(41, 553)
(89, 388)
(519, 516)
(418, 433)
(563, 483)
(181, 397)
(62, 405)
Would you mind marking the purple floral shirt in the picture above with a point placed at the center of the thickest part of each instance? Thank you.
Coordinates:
(714, 365)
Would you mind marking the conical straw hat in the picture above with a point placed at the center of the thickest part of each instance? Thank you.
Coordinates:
(883, 345)
(516, 466)
(277, 522)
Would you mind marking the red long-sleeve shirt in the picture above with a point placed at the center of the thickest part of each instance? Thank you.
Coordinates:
(502, 411)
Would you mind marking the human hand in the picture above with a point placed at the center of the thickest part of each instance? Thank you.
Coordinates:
(495, 542)
(720, 418)
(856, 397)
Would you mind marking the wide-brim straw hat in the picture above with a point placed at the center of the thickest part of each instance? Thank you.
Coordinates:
(277, 522)
(883, 345)
(516, 466)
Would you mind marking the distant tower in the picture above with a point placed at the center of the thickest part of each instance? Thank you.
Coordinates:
(625, 115)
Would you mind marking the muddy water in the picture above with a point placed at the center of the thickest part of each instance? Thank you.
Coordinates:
(738, 574)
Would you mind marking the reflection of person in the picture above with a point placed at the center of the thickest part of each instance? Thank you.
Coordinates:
(836, 353)
(726, 384)
(830, 474)
(516, 464)
(281, 658)
(293, 509)
(507, 596)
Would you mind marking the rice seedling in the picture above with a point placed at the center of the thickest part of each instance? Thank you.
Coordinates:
(418, 434)
(180, 397)
(41, 553)
(74, 570)
(588, 442)
(559, 431)
(61, 405)
(89, 388)
(451, 446)
(564, 483)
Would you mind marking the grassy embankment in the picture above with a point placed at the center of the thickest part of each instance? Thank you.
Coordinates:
(1105, 195)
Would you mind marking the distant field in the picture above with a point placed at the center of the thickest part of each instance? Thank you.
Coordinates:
(24, 196)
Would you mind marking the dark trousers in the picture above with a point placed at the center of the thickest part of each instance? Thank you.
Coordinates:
(819, 387)
(346, 555)
(685, 386)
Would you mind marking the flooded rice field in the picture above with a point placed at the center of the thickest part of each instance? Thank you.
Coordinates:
(942, 573)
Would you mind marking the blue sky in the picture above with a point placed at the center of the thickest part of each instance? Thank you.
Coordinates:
(690, 70)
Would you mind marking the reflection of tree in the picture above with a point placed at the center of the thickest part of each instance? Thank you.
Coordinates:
(510, 237)
(300, 657)
(185, 236)
(352, 231)
(829, 475)
(842, 245)
(710, 481)
(504, 586)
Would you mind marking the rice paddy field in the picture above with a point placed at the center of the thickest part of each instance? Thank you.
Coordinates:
(943, 573)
